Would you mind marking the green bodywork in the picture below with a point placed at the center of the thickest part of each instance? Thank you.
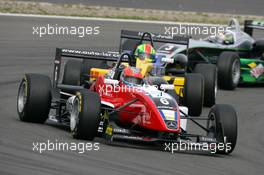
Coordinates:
(246, 75)
(208, 50)
(201, 51)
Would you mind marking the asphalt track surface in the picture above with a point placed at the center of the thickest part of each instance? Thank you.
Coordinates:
(253, 7)
(21, 52)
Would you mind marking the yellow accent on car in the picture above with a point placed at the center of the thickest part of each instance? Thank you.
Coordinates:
(252, 65)
(145, 66)
(95, 72)
(179, 85)
(109, 130)
(167, 78)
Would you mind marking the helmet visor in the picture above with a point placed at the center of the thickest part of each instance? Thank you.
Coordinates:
(146, 56)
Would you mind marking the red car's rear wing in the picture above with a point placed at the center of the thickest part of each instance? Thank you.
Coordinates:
(81, 54)
(84, 54)
(251, 24)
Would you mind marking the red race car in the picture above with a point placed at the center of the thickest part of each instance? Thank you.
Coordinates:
(119, 105)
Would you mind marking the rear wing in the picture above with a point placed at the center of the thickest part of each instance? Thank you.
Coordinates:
(80, 54)
(138, 37)
(251, 24)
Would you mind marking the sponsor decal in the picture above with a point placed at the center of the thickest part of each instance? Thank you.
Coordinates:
(168, 114)
(122, 131)
(171, 124)
(258, 23)
(168, 49)
(92, 53)
(109, 130)
(158, 36)
(164, 101)
(256, 70)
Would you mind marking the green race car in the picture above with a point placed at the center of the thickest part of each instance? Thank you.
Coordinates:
(238, 56)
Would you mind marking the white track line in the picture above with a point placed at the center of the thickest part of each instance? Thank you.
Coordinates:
(105, 19)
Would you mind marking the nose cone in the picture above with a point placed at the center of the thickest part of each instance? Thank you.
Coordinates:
(170, 118)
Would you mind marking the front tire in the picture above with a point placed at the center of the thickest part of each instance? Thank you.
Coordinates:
(258, 46)
(209, 72)
(86, 115)
(224, 125)
(34, 98)
(193, 93)
(228, 65)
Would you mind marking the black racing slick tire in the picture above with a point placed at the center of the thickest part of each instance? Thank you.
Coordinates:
(224, 127)
(34, 98)
(228, 65)
(86, 115)
(258, 46)
(193, 93)
(209, 72)
(72, 73)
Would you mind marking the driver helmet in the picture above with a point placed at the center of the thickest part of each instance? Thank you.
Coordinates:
(145, 52)
(131, 76)
(180, 63)
(226, 37)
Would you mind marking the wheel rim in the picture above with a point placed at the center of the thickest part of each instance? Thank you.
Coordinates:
(216, 88)
(236, 72)
(22, 97)
(74, 114)
(211, 125)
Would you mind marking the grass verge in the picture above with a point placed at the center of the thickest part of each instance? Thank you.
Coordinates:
(43, 8)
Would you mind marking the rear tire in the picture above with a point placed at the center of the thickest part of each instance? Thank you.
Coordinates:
(258, 49)
(225, 125)
(259, 46)
(85, 122)
(209, 72)
(72, 73)
(228, 65)
(34, 98)
(193, 93)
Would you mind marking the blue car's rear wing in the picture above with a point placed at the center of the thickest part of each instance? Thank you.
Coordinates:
(251, 24)
(136, 38)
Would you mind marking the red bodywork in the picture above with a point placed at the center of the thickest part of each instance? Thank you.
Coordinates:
(144, 111)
